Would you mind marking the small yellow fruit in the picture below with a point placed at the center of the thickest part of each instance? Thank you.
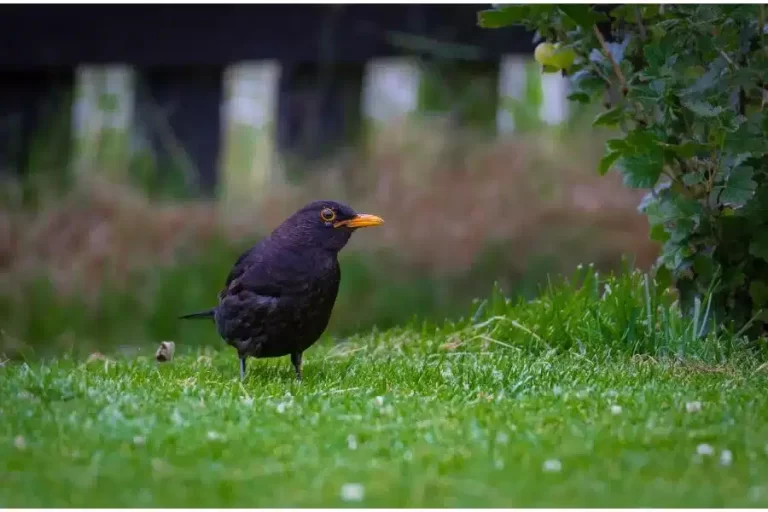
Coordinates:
(544, 53)
(563, 58)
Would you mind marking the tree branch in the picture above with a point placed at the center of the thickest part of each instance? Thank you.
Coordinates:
(609, 55)
(619, 74)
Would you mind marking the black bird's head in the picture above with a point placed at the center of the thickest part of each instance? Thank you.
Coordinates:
(323, 224)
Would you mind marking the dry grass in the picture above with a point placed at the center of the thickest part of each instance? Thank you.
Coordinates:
(444, 204)
(103, 231)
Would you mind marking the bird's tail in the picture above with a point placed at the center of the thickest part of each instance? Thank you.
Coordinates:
(201, 314)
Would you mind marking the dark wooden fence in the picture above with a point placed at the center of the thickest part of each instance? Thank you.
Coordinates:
(181, 52)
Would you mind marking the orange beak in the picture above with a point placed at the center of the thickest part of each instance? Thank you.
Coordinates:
(362, 220)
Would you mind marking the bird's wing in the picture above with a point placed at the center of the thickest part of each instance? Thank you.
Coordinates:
(259, 284)
(240, 266)
(265, 272)
(246, 302)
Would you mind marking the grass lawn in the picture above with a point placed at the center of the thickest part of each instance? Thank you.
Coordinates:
(423, 427)
(408, 417)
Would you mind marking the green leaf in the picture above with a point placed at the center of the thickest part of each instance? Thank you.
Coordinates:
(677, 213)
(587, 81)
(607, 161)
(642, 141)
(693, 178)
(658, 233)
(656, 54)
(739, 188)
(703, 109)
(694, 72)
(759, 246)
(502, 16)
(730, 121)
(580, 97)
(733, 278)
(687, 149)
(704, 266)
(623, 12)
(583, 15)
(663, 277)
(616, 145)
(610, 117)
(643, 159)
(641, 170)
(758, 290)
(649, 11)
(749, 137)
(737, 160)
(743, 77)
(757, 208)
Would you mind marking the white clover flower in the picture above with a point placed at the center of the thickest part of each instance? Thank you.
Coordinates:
(352, 492)
(214, 436)
(552, 466)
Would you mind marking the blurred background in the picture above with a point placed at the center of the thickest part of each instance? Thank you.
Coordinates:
(144, 147)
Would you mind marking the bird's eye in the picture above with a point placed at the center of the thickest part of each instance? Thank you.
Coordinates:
(327, 214)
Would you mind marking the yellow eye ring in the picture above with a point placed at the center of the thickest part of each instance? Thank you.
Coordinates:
(327, 215)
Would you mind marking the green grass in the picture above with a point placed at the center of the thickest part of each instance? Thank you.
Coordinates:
(451, 429)
(464, 414)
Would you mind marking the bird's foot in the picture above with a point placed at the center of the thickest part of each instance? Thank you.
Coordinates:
(296, 360)
(242, 368)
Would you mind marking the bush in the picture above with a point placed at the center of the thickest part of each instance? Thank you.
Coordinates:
(686, 86)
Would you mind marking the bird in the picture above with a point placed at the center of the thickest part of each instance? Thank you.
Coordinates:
(279, 295)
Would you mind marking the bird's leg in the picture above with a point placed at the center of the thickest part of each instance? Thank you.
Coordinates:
(296, 360)
(242, 367)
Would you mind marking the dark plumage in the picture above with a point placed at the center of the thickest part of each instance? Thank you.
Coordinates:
(279, 295)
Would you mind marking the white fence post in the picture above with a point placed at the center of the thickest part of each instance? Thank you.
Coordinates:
(103, 103)
(390, 91)
(512, 84)
(554, 108)
(249, 117)
(524, 89)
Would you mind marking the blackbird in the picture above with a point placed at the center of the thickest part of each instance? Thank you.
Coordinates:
(279, 295)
